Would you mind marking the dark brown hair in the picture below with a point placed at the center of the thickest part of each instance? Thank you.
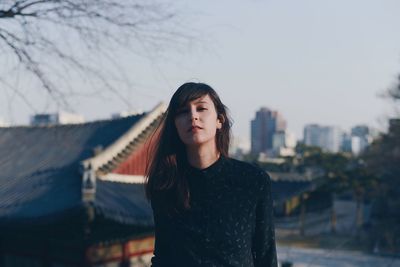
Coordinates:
(165, 172)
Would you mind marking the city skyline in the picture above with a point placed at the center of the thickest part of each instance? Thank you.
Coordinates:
(263, 140)
(315, 62)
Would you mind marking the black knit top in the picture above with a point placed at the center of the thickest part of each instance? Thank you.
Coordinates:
(230, 221)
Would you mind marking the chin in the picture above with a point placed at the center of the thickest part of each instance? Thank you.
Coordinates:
(196, 142)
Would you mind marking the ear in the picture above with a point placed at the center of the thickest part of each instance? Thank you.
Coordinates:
(220, 121)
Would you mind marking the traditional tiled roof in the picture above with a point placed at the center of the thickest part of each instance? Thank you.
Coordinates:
(285, 185)
(42, 169)
(286, 189)
(123, 202)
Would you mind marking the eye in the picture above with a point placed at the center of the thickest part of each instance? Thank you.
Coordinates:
(201, 108)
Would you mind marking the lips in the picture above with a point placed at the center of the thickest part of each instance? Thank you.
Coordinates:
(194, 128)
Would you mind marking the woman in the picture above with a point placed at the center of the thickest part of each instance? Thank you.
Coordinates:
(209, 209)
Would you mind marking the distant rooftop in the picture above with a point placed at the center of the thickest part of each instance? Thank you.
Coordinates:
(41, 177)
(56, 118)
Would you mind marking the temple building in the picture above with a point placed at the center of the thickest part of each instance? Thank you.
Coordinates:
(73, 194)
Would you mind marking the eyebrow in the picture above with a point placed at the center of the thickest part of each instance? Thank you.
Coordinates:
(200, 102)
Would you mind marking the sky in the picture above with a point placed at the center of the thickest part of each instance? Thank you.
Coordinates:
(314, 61)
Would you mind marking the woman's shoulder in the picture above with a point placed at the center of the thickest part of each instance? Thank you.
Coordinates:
(248, 170)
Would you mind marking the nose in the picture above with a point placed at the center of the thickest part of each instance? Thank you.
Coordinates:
(194, 116)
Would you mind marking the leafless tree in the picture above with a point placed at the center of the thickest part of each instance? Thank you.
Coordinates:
(393, 95)
(394, 91)
(57, 40)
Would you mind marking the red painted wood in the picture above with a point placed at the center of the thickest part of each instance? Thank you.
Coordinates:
(135, 163)
(119, 259)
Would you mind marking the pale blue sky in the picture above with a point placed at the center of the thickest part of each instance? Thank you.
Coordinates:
(315, 61)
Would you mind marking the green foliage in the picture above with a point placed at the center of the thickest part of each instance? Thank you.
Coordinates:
(383, 159)
(337, 172)
(250, 158)
(340, 172)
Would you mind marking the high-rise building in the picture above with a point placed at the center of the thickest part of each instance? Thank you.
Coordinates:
(329, 138)
(360, 130)
(283, 139)
(263, 127)
(362, 134)
(347, 143)
(56, 118)
(284, 144)
(312, 135)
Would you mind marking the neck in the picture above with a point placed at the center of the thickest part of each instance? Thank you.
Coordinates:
(202, 158)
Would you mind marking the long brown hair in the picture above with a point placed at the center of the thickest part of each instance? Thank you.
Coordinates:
(165, 172)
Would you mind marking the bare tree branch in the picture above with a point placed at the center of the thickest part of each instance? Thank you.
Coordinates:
(55, 38)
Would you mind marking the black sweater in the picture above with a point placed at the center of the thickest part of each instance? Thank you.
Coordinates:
(229, 224)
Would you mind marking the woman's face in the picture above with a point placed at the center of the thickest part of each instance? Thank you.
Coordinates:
(197, 122)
